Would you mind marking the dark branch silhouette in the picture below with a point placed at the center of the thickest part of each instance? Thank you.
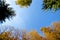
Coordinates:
(5, 11)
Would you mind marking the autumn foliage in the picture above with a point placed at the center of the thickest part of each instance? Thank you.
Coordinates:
(50, 33)
(53, 32)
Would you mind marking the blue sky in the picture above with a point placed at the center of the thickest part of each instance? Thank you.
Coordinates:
(33, 17)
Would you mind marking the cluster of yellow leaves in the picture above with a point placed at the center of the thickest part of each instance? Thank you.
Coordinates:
(23, 3)
(32, 35)
(52, 33)
(36, 36)
(9, 34)
(6, 36)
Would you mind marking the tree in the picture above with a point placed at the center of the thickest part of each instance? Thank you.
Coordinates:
(52, 33)
(51, 4)
(10, 33)
(35, 36)
(24, 3)
(56, 26)
(25, 35)
(5, 11)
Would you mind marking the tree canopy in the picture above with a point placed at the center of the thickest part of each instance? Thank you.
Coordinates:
(52, 33)
(24, 3)
(51, 4)
(5, 11)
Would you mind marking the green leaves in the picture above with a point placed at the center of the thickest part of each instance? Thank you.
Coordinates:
(51, 4)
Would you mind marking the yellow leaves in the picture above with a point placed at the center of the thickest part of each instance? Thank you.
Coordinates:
(36, 36)
(9, 34)
(52, 33)
(5, 36)
(56, 26)
(23, 3)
